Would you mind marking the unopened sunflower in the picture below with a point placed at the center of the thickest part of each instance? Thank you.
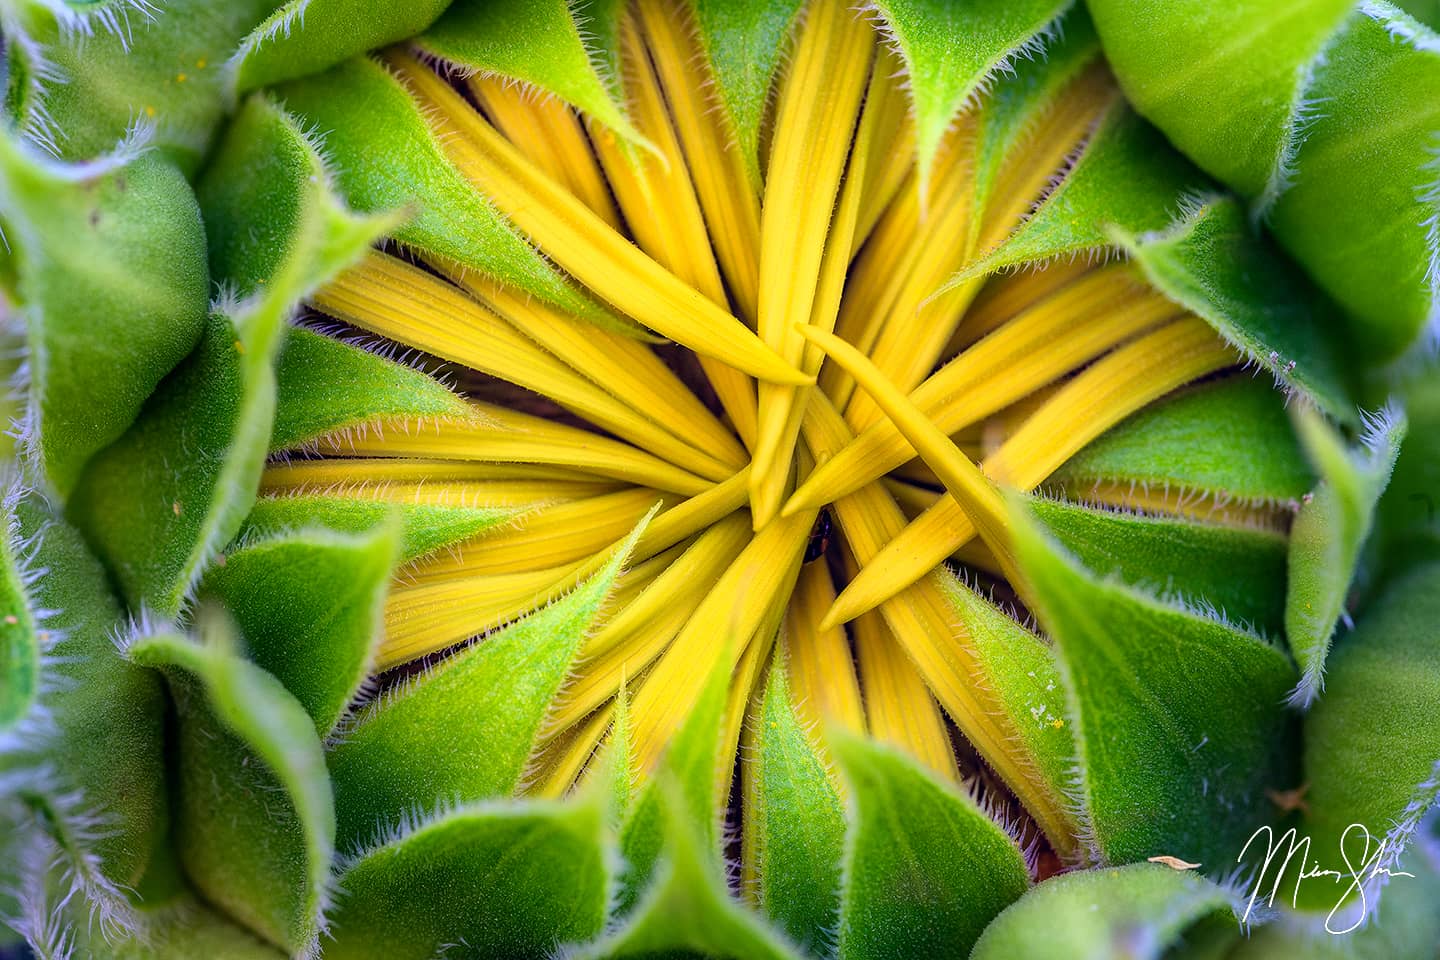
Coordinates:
(735, 478)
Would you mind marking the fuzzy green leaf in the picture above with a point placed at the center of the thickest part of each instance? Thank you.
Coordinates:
(325, 386)
(535, 41)
(952, 50)
(165, 70)
(745, 43)
(1408, 514)
(687, 910)
(1227, 439)
(798, 821)
(405, 749)
(255, 821)
(386, 158)
(1238, 571)
(1329, 533)
(506, 879)
(307, 36)
(1372, 747)
(110, 278)
(183, 929)
(20, 646)
(1211, 263)
(424, 527)
(160, 502)
(1143, 911)
(310, 605)
(1222, 77)
(925, 868)
(1198, 701)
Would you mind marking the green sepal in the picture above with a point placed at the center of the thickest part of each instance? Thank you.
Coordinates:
(1211, 262)
(689, 784)
(1329, 532)
(165, 71)
(267, 161)
(952, 51)
(325, 386)
(687, 909)
(1143, 911)
(505, 878)
(386, 158)
(21, 648)
(103, 730)
(110, 277)
(1372, 747)
(1232, 104)
(424, 527)
(310, 607)
(798, 822)
(535, 41)
(745, 43)
(1238, 571)
(307, 36)
(162, 501)
(1362, 208)
(1126, 176)
(405, 750)
(1199, 700)
(254, 816)
(1408, 524)
(1020, 668)
(183, 929)
(1017, 101)
(925, 867)
(1229, 439)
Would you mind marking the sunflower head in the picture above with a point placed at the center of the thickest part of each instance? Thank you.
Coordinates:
(750, 479)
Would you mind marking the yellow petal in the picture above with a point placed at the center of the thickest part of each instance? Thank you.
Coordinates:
(820, 666)
(898, 705)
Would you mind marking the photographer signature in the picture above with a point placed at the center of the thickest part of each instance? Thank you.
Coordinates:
(1358, 876)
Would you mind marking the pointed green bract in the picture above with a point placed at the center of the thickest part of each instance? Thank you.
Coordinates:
(20, 646)
(536, 41)
(165, 71)
(952, 50)
(1210, 262)
(745, 43)
(505, 879)
(1198, 700)
(255, 821)
(1020, 668)
(1240, 572)
(1408, 518)
(267, 161)
(386, 158)
(307, 36)
(686, 910)
(1329, 533)
(925, 868)
(324, 386)
(1372, 747)
(182, 930)
(310, 607)
(799, 824)
(406, 750)
(1180, 63)
(164, 499)
(599, 23)
(105, 715)
(111, 281)
(1140, 911)
(1017, 102)
(1126, 177)
(424, 527)
(691, 781)
(1226, 439)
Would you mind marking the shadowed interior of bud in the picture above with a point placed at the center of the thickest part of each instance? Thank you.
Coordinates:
(796, 522)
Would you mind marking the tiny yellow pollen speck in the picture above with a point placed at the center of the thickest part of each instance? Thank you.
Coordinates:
(180, 78)
(1057, 723)
(200, 64)
(176, 507)
(239, 347)
(149, 111)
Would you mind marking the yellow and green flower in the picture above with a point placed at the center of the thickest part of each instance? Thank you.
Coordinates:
(735, 478)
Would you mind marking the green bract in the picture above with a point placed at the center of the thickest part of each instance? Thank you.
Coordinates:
(727, 478)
